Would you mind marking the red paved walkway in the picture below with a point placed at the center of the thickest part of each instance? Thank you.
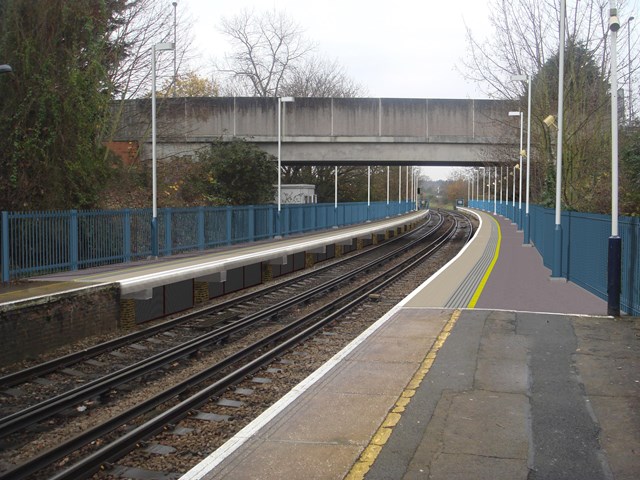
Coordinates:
(520, 281)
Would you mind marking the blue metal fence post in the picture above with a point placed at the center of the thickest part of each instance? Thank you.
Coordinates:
(229, 231)
(201, 228)
(5, 246)
(168, 234)
(73, 239)
(126, 230)
(251, 233)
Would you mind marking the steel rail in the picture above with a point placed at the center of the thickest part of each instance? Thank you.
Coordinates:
(130, 440)
(26, 374)
(120, 447)
(47, 408)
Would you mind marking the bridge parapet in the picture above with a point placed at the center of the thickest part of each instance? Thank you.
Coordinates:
(365, 129)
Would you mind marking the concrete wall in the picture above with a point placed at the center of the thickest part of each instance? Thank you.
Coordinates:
(415, 129)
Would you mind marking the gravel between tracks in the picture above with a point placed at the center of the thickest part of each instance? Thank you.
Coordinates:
(206, 436)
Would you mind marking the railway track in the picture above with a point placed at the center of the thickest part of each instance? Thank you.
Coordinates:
(185, 397)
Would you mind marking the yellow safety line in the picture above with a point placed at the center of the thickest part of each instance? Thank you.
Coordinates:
(369, 455)
(478, 291)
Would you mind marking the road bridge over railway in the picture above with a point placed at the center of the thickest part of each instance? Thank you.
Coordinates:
(331, 131)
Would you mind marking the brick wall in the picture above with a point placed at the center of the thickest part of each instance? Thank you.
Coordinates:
(35, 326)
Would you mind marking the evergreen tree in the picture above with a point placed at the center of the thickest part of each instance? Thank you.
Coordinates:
(55, 102)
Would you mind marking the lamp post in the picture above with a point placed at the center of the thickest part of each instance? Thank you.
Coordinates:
(519, 217)
(157, 47)
(527, 153)
(629, 56)
(556, 270)
(495, 191)
(615, 242)
(175, 42)
(513, 203)
(5, 69)
(281, 100)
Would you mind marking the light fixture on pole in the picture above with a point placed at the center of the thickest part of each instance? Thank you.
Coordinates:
(495, 191)
(556, 270)
(615, 242)
(157, 47)
(335, 198)
(519, 217)
(175, 42)
(513, 206)
(281, 100)
(527, 154)
(630, 71)
(5, 69)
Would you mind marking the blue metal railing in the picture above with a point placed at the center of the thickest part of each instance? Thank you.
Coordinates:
(585, 248)
(44, 242)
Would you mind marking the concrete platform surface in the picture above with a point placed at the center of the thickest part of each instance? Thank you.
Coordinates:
(450, 394)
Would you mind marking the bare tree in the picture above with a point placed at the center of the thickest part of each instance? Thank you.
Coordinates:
(526, 41)
(143, 24)
(272, 57)
(525, 36)
(318, 77)
(264, 49)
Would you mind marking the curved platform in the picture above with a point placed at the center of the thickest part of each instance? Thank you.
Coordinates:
(439, 389)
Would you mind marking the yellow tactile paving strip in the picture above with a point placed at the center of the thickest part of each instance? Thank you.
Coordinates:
(369, 455)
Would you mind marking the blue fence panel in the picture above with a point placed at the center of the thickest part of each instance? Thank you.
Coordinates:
(587, 242)
(44, 242)
(215, 227)
(629, 230)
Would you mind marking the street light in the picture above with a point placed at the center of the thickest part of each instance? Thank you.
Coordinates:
(175, 42)
(519, 220)
(281, 100)
(556, 270)
(158, 47)
(513, 204)
(615, 242)
(5, 69)
(527, 223)
(629, 54)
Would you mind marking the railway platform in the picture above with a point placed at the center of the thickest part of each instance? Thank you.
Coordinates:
(489, 370)
(52, 310)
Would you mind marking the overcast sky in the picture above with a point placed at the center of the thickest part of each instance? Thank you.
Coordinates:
(393, 48)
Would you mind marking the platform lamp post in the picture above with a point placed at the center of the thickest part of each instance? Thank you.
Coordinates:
(5, 69)
(630, 71)
(527, 152)
(513, 204)
(175, 42)
(281, 100)
(556, 267)
(495, 190)
(615, 242)
(157, 47)
(519, 216)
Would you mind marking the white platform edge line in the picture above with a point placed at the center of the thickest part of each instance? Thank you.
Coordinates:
(583, 315)
(448, 264)
(129, 285)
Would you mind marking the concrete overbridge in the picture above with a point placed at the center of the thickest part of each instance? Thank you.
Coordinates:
(332, 131)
